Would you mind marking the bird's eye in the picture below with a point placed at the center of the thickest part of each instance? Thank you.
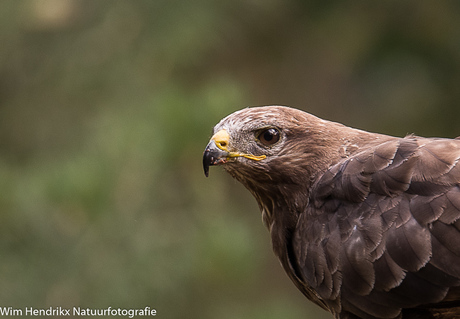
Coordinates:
(269, 136)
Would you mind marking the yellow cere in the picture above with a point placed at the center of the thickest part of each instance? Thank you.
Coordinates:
(222, 139)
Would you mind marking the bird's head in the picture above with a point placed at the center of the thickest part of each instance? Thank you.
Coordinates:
(243, 138)
(270, 146)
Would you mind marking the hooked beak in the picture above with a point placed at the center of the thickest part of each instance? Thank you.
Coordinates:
(213, 156)
(217, 152)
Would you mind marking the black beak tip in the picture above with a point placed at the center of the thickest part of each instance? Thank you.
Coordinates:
(207, 158)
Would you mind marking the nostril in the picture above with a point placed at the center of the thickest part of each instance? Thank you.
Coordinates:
(223, 144)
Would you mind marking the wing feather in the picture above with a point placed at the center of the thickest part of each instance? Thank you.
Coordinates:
(444, 259)
(388, 274)
(392, 238)
(356, 265)
(409, 245)
(437, 276)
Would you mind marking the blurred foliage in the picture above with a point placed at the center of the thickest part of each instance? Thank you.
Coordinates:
(105, 109)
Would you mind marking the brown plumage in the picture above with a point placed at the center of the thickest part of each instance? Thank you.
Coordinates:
(366, 225)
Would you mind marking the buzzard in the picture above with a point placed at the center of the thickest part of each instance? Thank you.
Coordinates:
(366, 225)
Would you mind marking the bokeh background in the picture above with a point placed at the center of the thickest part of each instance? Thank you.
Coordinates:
(106, 107)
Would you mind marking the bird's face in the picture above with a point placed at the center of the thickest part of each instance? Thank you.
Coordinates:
(248, 138)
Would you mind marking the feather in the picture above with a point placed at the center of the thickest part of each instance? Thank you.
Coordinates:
(388, 273)
(357, 268)
(452, 206)
(437, 277)
(427, 209)
(409, 245)
(447, 235)
(419, 290)
(372, 308)
(444, 259)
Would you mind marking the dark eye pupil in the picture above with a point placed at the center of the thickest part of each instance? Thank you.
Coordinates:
(269, 135)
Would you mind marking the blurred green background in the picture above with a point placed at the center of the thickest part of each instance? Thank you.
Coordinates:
(106, 107)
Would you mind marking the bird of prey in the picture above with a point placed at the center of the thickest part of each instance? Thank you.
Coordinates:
(366, 225)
